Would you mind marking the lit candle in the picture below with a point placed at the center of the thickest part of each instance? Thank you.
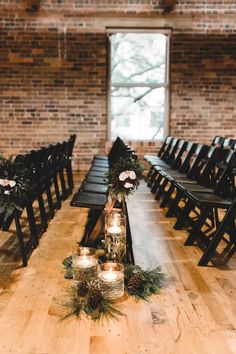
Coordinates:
(114, 229)
(84, 262)
(84, 251)
(111, 280)
(109, 275)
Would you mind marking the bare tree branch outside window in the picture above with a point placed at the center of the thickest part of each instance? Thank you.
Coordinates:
(138, 85)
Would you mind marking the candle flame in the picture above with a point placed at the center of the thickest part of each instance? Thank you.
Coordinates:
(84, 252)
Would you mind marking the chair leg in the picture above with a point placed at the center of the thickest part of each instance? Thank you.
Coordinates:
(57, 192)
(167, 196)
(20, 238)
(150, 177)
(94, 228)
(63, 184)
(227, 220)
(42, 210)
(7, 223)
(174, 204)
(70, 177)
(229, 253)
(49, 198)
(161, 189)
(32, 224)
(197, 229)
(183, 217)
(156, 183)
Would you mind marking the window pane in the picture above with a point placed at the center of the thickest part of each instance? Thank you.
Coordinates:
(138, 85)
(138, 58)
(137, 113)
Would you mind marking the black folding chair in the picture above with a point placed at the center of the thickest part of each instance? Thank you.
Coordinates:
(209, 205)
(226, 227)
(200, 173)
(161, 152)
(217, 141)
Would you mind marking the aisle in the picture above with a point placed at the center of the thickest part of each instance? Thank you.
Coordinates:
(195, 313)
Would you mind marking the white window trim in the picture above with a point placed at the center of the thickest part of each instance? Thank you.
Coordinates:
(166, 85)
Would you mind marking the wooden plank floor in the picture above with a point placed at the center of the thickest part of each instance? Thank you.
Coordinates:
(195, 312)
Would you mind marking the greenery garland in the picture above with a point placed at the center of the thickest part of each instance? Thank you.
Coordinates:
(89, 300)
(141, 284)
(124, 177)
(13, 185)
(91, 303)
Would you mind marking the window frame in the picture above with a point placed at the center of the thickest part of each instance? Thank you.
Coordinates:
(166, 86)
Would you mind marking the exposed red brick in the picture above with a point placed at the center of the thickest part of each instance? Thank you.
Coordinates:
(53, 71)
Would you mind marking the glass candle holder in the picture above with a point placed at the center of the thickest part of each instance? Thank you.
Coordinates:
(115, 235)
(111, 280)
(84, 265)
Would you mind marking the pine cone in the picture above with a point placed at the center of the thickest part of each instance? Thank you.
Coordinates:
(135, 282)
(94, 298)
(82, 288)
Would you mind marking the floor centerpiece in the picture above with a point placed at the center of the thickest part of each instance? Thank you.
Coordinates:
(96, 296)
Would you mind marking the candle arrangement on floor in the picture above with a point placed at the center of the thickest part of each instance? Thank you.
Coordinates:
(94, 296)
(97, 284)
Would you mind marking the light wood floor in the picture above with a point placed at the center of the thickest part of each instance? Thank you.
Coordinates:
(195, 313)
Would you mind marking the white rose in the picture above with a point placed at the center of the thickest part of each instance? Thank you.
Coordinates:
(132, 175)
(128, 185)
(4, 182)
(6, 192)
(12, 184)
(123, 176)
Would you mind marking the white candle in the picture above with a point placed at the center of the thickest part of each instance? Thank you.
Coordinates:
(84, 252)
(84, 262)
(114, 229)
(109, 275)
(111, 280)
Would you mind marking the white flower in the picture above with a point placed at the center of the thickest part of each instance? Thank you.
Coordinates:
(127, 174)
(128, 185)
(7, 182)
(6, 192)
(4, 182)
(132, 174)
(123, 176)
(12, 184)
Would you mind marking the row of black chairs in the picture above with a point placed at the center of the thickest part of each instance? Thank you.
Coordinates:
(92, 194)
(93, 190)
(196, 183)
(50, 182)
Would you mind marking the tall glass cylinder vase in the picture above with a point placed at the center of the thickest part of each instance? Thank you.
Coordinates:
(115, 235)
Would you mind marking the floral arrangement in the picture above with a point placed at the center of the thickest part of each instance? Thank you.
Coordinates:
(13, 185)
(123, 178)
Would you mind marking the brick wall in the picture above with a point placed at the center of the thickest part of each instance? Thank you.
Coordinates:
(53, 76)
(203, 83)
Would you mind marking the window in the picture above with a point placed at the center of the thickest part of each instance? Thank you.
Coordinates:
(138, 101)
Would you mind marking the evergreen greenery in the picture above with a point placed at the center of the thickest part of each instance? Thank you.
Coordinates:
(88, 299)
(13, 186)
(116, 185)
(142, 284)
(92, 304)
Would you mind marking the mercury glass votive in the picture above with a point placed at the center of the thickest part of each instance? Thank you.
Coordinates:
(84, 265)
(111, 280)
(115, 235)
